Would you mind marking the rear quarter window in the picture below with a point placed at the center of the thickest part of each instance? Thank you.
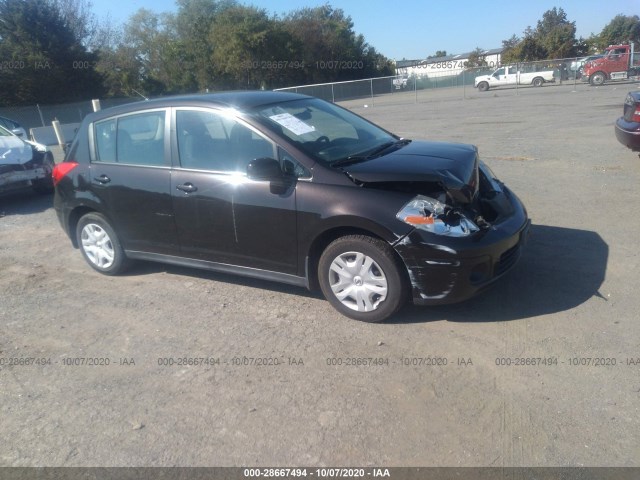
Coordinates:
(132, 139)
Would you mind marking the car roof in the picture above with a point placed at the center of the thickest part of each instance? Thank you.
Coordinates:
(240, 100)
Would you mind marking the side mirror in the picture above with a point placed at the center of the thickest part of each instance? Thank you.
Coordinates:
(264, 169)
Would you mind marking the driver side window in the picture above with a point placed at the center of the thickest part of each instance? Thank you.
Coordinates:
(208, 140)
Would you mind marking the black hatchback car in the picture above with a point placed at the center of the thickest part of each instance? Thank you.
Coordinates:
(289, 188)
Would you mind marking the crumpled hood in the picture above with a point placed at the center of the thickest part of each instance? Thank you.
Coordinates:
(13, 151)
(452, 165)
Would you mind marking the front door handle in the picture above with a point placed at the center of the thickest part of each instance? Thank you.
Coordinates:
(103, 179)
(187, 187)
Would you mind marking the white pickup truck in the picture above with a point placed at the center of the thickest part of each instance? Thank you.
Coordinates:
(510, 76)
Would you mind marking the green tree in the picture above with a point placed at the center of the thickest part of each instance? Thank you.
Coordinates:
(120, 68)
(438, 54)
(80, 19)
(531, 49)
(526, 49)
(159, 53)
(556, 35)
(553, 37)
(622, 29)
(194, 25)
(329, 47)
(249, 50)
(48, 61)
(510, 49)
(477, 59)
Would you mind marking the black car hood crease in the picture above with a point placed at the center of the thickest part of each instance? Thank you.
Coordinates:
(453, 165)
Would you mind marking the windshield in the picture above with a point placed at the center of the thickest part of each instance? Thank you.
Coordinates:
(324, 131)
(5, 133)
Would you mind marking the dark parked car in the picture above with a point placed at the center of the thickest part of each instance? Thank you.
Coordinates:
(628, 125)
(290, 188)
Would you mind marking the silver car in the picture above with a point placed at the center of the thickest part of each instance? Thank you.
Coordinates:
(24, 164)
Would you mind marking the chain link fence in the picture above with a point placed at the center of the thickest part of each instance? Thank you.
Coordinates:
(42, 115)
(412, 87)
(415, 86)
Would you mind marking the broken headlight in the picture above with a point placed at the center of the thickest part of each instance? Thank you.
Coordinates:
(433, 216)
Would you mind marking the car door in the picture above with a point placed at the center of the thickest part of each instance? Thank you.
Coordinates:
(221, 215)
(131, 177)
(619, 60)
(499, 78)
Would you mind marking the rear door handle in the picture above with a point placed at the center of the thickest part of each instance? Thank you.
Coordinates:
(187, 187)
(103, 179)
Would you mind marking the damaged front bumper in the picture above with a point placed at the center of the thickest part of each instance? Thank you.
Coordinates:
(448, 270)
(11, 175)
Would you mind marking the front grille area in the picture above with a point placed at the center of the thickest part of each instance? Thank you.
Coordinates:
(507, 260)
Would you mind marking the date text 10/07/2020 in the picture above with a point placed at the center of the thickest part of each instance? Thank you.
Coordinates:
(299, 64)
(315, 472)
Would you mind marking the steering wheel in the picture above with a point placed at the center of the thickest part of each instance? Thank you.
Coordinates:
(323, 139)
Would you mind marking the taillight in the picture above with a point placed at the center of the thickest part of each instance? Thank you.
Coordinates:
(635, 117)
(61, 170)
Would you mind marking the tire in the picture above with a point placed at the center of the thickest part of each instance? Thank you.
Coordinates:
(371, 285)
(538, 82)
(44, 186)
(483, 86)
(100, 245)
(597, 79)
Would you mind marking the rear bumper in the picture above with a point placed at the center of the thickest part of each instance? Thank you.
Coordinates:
(463, 267)
(628, 134)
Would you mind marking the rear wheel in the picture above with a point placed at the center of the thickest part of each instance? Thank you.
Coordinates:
(483, 86)
(538, 82)
(99, 245)
(362, 278)
(597, 79)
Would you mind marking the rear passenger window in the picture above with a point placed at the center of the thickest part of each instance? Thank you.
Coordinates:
(106, 141)
(210, 141)
(132, 139)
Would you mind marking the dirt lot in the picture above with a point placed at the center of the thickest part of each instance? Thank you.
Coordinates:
(569, 309)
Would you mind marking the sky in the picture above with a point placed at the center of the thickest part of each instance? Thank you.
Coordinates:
(414, 29)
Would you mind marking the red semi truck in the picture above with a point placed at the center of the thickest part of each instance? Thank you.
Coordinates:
(619, 62)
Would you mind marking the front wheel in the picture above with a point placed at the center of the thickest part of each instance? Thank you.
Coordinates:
(538, 82)
(483, 86)
(99, 245)
(597, 79)
(362, 278)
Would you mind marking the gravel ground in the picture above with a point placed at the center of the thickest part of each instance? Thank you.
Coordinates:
(570, 307)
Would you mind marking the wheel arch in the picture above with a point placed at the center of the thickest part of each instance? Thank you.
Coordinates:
(74, 217)
(604, 74)
(322, 241)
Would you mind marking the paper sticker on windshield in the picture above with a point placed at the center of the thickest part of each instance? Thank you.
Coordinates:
(292, 123)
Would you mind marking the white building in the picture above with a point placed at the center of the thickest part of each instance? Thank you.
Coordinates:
(449, 66)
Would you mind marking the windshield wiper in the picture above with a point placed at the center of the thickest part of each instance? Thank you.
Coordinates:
(372, 154)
